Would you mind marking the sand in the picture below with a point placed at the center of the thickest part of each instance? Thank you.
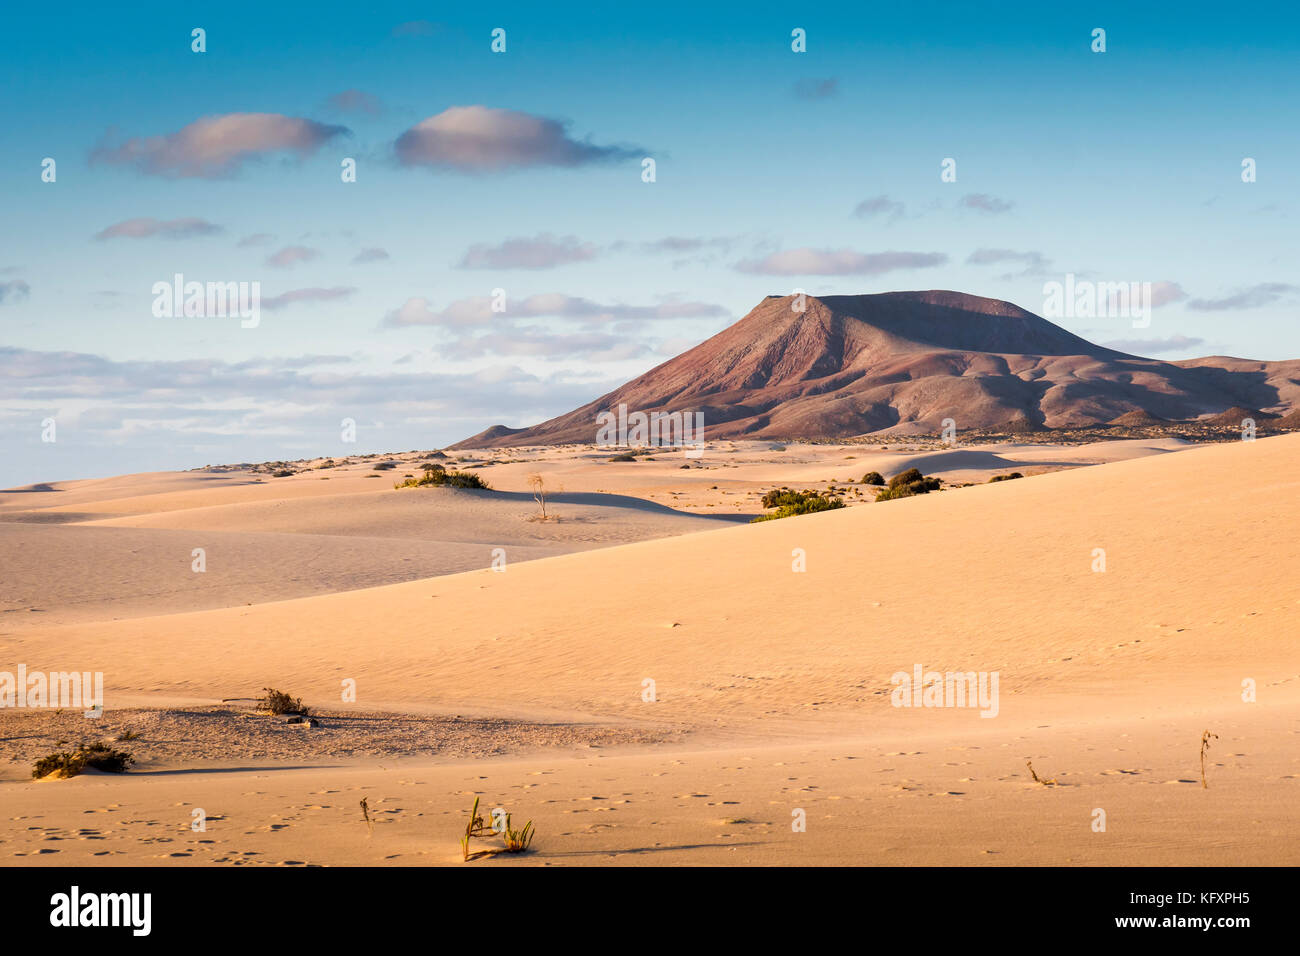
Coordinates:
(772, 686)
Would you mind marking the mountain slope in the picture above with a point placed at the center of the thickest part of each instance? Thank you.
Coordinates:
(905, 361)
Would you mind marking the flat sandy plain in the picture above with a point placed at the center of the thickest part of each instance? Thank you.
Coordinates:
(525, 687)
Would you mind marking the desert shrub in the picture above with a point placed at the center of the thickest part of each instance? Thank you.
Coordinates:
(437, 476)
(873, 478)
(282, 473)
(96, 756)
(463, 479)
(278, 703)
(906, 477)
(783, 496)
(626, 456)
(789, 503)
(908, 483)
(384, 465)
(1014, 474)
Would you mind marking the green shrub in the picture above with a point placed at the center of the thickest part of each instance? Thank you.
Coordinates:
(1014, 474)
(97, 756)
(906, 477)
(908, 483)
(873, 478)
(437, 476)
(783, 496)
(789, 503)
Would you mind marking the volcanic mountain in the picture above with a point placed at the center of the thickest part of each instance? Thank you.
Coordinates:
(903, 362)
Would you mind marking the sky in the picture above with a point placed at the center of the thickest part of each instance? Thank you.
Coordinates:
(520, 174)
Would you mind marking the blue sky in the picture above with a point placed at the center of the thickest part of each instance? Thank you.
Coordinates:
(526, 176)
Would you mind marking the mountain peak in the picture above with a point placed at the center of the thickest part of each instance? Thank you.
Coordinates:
(837, 366)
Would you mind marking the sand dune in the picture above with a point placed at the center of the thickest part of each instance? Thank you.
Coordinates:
(777, 684)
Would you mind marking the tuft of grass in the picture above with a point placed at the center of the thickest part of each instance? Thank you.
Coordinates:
(128, 735)
(96, 756)
(517, 840)
(280, 703)
(1014, 474)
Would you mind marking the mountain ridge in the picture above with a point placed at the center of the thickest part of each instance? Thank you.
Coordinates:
(903, 362)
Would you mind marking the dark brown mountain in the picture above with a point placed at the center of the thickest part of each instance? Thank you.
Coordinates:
(903, 362)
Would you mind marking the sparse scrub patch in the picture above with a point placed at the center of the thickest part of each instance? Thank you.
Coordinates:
(1014, 474)
(96, 756)
(873, 478)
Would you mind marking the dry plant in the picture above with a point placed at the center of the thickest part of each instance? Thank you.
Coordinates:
(365, 812)
(1045, 783)
(1205, 748)
(279, 703)
(537, 485)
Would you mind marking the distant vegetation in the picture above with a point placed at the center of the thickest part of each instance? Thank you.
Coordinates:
(437, 476)
(908, 483)
(1014, 474)
(789, 503)
(873, 478)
